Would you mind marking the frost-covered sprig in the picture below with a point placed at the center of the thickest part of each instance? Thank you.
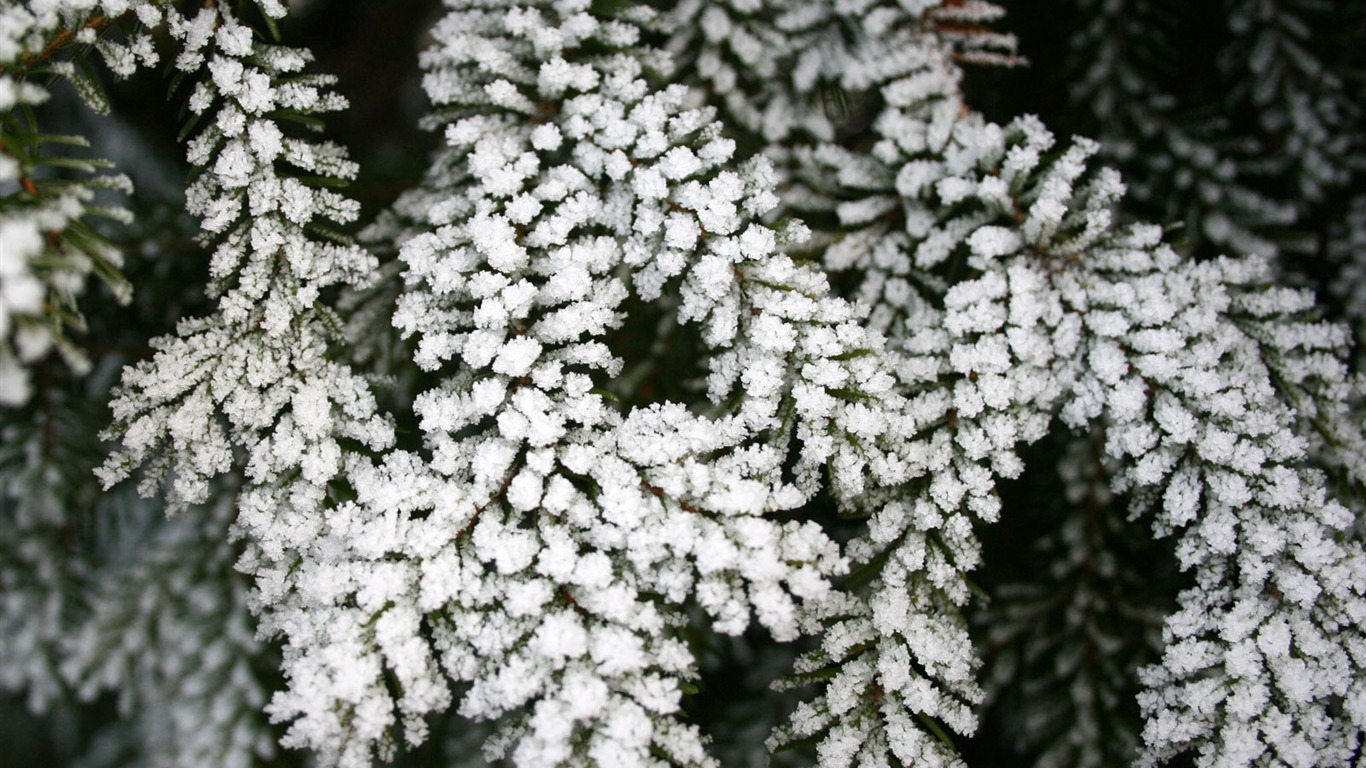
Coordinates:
(978, 369)
(1263, 661)
(171, 634)
(1309, 118)
(1299, 75)
(773, 68)
(34, 32)
(1307, 359)
(976, 245)
(253, 386)
(255, 375)
(1274, 371)
(541, 547)
(1255, 157)
(987, 357)
(48, 245)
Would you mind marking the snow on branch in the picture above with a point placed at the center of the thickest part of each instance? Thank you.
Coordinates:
(992, 262)
(543, 544)
(255, 375)
(1263, 659)
(253, 385)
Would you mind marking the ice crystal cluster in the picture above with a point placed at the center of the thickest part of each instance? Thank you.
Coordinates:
(723, 318)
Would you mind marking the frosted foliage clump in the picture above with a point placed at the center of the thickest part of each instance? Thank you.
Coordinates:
(253, 385)
(540, 547)
(708, 327)
(256, 374)
(991, 260)
(1275, 616)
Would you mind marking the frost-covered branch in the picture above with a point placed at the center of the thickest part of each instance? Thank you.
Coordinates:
(1264, 658)
(542, 545)
(253, 385)
(984, 253)
(730, 318)
(1181, 163)
(256, 374)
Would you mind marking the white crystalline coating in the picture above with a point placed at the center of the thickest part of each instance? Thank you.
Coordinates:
(997, 346)
(990, 242)
(1214, 190)
(1231, 476)
(21, 293)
